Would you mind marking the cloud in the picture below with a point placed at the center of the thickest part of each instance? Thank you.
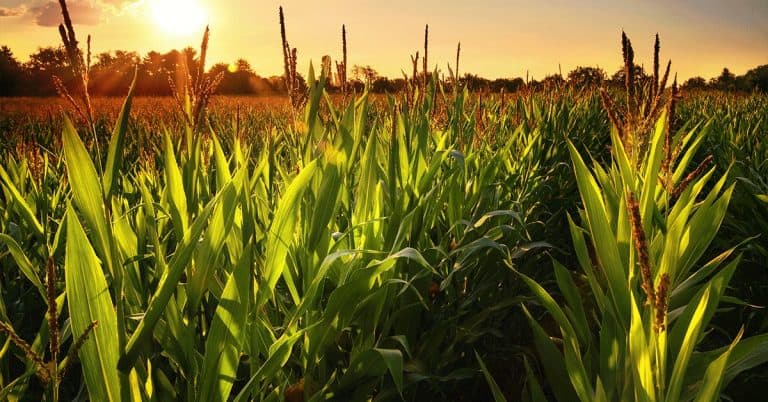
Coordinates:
(82, 12)
(12, 11)
(118, 7)
(120, 3)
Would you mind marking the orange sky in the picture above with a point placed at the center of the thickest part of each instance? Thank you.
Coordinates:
(499, 38)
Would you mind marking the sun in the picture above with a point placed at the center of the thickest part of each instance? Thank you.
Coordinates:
(178, 17)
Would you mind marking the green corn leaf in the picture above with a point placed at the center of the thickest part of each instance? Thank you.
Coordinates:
(534, 388)
(368, 181)
(175, 190)
(498, 396)
(16, 383)
(373, 363)
(686, 349)
(279, 352)
(310, 293)
(281, 233)
(326, 205)
(612, 355)
(715, 288)
(640, 350)
(582, 254)
(608, 250)
(225, 339)
(223, 175)
(18, 199)
(209, 249)
(316, 89)
(621, 158)
(747, 354)
(703, 227)
(552, 362)
(653, 166)
(393, 359)
(177, 338)
(23, 262)
(87, 192)
(552, 307)
(89, 301)
(709, 391)
(168, 283)
(695, 138)
(115, 155)
(571, 294)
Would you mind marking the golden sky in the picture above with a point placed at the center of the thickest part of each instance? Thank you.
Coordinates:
(498, 38)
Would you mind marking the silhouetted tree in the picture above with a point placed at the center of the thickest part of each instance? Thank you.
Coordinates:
(11, 73)
(534, 85)
(239, 79)
(277, 83)
(757, 78)
(155, 71)
(43, 65)
(152, 76)
(618, 78)
(507, 84)
(726, 81)
(381, 85)
(356, 85)
(397, 84)
(475, 83)
(695, 83)
(366, 73)
(582, 77)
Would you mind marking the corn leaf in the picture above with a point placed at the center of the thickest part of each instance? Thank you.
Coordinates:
(168, 283)
(225, 339)
(498, 396)
(87, 192)
(89, 301)
(709, 391)
(115, 154)
(25, 266)
(18, 199)
(281, 233)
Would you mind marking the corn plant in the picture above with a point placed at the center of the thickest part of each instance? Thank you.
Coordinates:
(631, 320)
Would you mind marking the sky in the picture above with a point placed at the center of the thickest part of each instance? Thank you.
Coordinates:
(499, 38)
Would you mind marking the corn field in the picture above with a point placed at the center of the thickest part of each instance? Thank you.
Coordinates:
(430, 245)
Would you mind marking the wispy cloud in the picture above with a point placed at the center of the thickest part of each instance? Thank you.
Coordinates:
(12, 11)
(120, 3)
(82, 12)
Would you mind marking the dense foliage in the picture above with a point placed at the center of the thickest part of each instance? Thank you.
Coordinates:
(570, 243)
(362, 249)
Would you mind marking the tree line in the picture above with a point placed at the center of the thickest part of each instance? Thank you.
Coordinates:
(111, 73)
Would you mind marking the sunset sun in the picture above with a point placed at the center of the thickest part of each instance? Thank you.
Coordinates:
(178, 17)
